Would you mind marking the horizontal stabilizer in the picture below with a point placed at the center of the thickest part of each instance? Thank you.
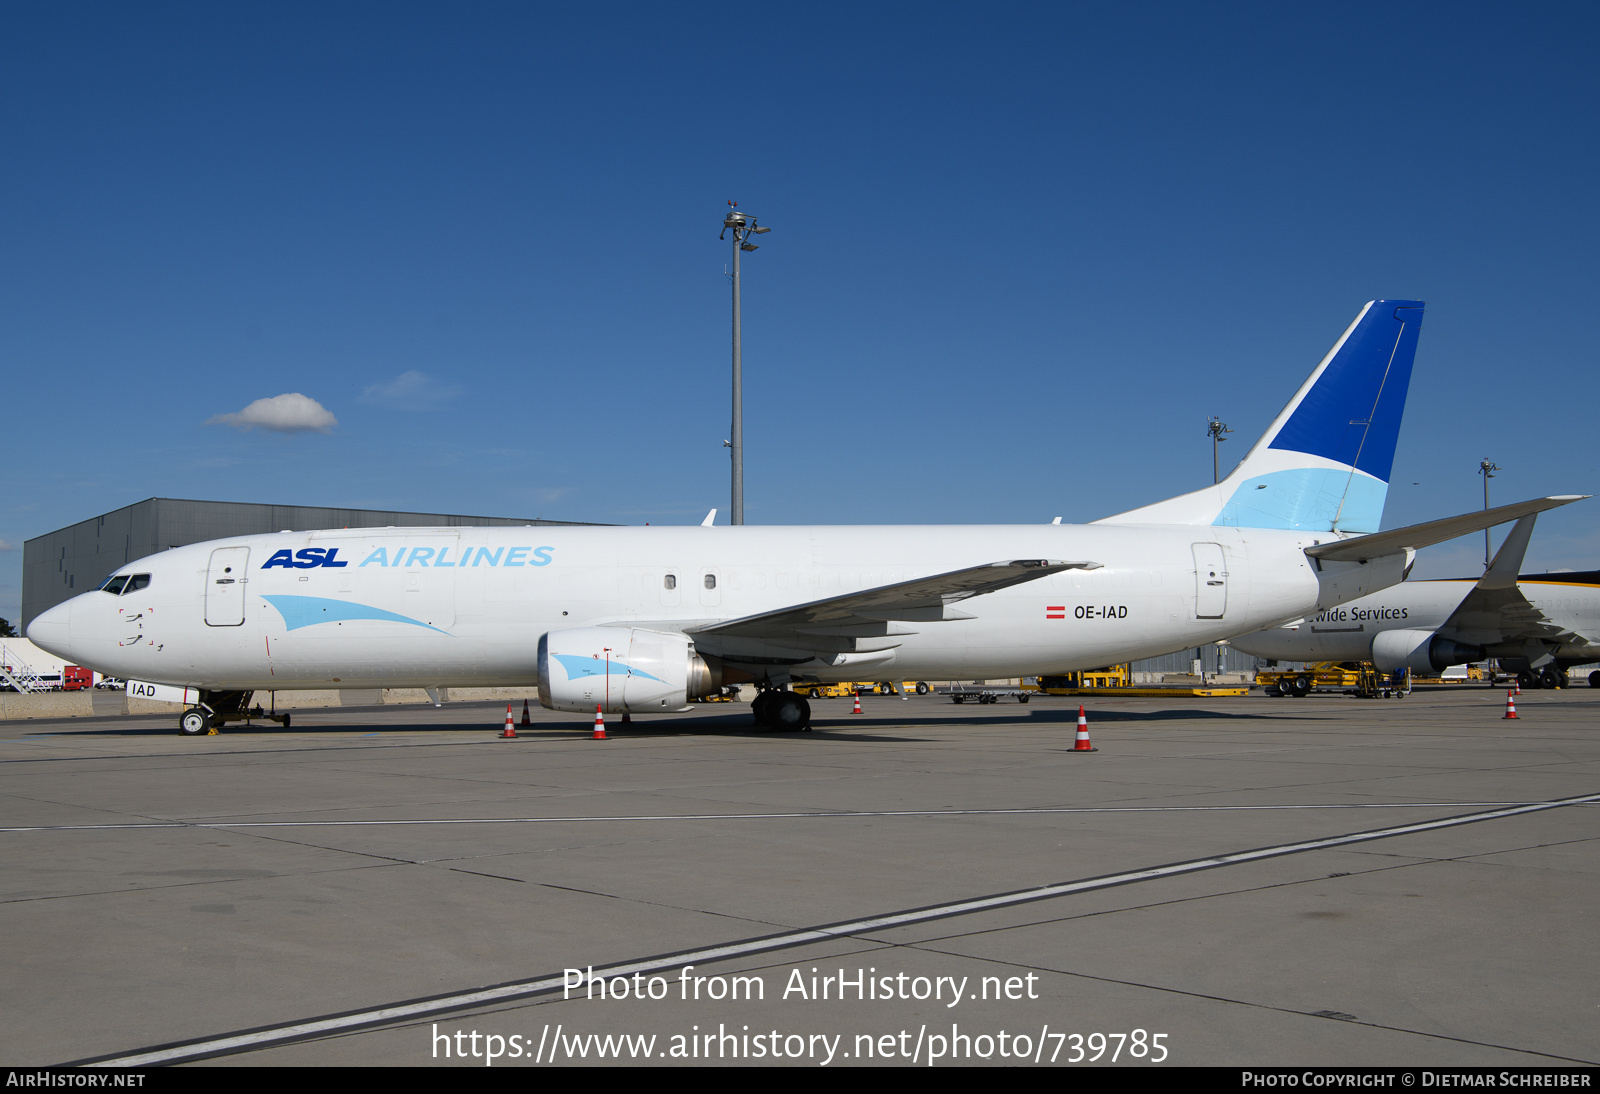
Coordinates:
(1363, 548)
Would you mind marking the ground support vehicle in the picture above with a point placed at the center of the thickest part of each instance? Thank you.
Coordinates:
(903, 687)
(847, 689)
(1070, 683)
(1118, 679)
(1359, 678)
(1378, 685)
(1302, 682)
(824, 691)
(982, 693)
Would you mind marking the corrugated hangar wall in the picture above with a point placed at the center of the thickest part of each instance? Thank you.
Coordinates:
(59, 565)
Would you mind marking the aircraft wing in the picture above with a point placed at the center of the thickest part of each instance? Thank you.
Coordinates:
(1378, 544)
(1496, 611)
(839, 622)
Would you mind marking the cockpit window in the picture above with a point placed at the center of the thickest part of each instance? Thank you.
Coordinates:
(114, 584)
(135, 583)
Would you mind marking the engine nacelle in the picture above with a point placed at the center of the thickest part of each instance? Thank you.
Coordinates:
(621, 670)
(1420, 651)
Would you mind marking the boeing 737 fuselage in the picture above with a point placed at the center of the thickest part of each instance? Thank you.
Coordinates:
(645, 619)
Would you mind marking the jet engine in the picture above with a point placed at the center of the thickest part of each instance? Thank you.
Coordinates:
(1420, 650)
(622, 669)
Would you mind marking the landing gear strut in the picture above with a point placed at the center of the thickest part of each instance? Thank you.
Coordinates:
(217, 708)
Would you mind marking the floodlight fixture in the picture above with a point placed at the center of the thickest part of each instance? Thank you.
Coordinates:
(743, 226)
(1216, 428)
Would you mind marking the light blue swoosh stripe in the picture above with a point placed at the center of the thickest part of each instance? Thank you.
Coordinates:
(1307, 499)
(308, 611)
(577, 666)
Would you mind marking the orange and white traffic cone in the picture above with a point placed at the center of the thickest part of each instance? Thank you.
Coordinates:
(599, 725)
(1082, 743)
(527, 721)
(1511, 706)
(1516, 685)
(857, 709)
(510, 734)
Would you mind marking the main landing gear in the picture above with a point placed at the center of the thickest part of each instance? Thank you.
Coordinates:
(1548, 677)
(783, 711)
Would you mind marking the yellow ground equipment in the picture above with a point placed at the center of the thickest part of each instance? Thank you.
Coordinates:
(824, 691)
(1117, 676)
(871, 687)
(1376, 685)
(1361, 677)
(1119, 679)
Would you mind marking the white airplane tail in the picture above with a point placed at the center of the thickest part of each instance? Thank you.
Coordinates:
(1323, 464)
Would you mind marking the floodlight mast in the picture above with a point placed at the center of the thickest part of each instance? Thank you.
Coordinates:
(1487, 470)
(1216, 428)
(743, 226)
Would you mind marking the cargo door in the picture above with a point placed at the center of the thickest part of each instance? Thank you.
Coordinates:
(226, 578)
(1210, 581)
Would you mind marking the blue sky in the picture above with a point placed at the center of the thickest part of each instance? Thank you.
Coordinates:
(1020, 253)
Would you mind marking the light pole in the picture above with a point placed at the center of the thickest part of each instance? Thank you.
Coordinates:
(1216, 428)
(1487, 470)
(744, 226)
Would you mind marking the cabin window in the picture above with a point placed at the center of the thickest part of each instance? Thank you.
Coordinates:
(114, 584)
(135, 583)
(711, 581)
(670, 581)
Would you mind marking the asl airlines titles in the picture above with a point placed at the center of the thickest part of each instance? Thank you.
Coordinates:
(312, 557)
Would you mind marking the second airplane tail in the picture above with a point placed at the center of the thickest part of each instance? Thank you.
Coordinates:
(1323, 464)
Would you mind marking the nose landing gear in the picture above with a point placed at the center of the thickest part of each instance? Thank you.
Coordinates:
(217, 708)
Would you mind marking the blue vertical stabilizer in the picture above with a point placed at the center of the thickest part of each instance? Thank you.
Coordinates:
(1323, 465)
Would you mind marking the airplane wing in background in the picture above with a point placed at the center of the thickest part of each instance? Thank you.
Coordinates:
(1497, 613)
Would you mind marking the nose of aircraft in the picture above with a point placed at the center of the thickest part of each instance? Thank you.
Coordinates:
(52, 630)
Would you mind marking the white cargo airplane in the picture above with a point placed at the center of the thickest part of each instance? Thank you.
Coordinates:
(645, 619)
(1538, 626)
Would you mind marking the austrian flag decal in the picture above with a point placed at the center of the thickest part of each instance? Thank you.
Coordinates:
(1059, 612)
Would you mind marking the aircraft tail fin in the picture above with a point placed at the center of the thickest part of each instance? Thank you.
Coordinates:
(1323, 464)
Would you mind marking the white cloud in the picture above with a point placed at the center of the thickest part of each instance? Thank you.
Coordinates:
(291, 413)
(7, 545)
(411, 390)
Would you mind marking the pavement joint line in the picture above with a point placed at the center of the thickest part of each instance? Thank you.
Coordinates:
(260, 1037)
(816, 815)
(1277, 1008)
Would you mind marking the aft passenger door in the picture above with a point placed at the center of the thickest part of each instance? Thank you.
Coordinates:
(1210, 581)
(225, 581)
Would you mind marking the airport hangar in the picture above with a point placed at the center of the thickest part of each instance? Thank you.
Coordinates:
(59, 565)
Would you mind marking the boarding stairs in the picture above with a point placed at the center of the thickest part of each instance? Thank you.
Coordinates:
(17, 675)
